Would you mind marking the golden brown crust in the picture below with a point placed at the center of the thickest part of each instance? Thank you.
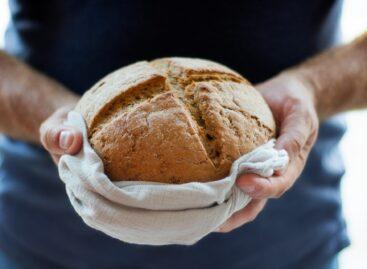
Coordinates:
(174, 120)
(154, 142)
(116, 85)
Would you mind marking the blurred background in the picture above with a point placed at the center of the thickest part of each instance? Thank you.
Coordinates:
(354, 145)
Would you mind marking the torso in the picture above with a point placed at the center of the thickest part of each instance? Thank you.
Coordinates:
(77, 42)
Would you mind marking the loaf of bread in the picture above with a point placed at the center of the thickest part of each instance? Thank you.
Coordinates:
(174, 120)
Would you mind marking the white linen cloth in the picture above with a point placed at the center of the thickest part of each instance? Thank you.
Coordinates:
(156, 213)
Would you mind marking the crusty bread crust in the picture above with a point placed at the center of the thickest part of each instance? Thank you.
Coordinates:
(174, 120)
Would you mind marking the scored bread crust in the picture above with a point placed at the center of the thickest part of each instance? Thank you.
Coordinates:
(174, 120)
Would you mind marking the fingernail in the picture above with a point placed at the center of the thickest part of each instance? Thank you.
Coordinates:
(66, 139)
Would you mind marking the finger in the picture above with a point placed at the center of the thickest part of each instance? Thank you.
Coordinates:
(58, 138)
(248, 214)
(272, 187)
(292, 136)
(297, 129)
(61, 139)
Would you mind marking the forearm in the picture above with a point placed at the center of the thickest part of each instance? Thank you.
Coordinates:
(338, 78)
(27, 98)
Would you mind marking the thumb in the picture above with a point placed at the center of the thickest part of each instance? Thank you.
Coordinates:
(297, 134)
(58, 138)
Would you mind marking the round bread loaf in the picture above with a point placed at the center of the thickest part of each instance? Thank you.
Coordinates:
(174, 120)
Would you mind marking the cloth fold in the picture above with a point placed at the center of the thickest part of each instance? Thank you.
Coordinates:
(156, 213)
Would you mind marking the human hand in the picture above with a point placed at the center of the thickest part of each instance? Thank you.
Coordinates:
(292, 102)
(58, 138)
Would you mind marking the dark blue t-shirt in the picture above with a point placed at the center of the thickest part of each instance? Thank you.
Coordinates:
(77, 42)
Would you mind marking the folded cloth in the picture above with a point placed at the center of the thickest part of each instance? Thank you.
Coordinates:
(156, 213)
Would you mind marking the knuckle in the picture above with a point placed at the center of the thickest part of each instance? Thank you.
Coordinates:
(314, 128)
(302, 157)
(304, 111)
(295, 145)
(225, 228)
(288, 185)
(283, 185)
(50, 138)
(262, 189)
(312, 120)
(292, 103)
(252, 217)
(280, 193)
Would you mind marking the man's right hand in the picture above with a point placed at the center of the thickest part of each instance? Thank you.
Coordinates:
(58, 138)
